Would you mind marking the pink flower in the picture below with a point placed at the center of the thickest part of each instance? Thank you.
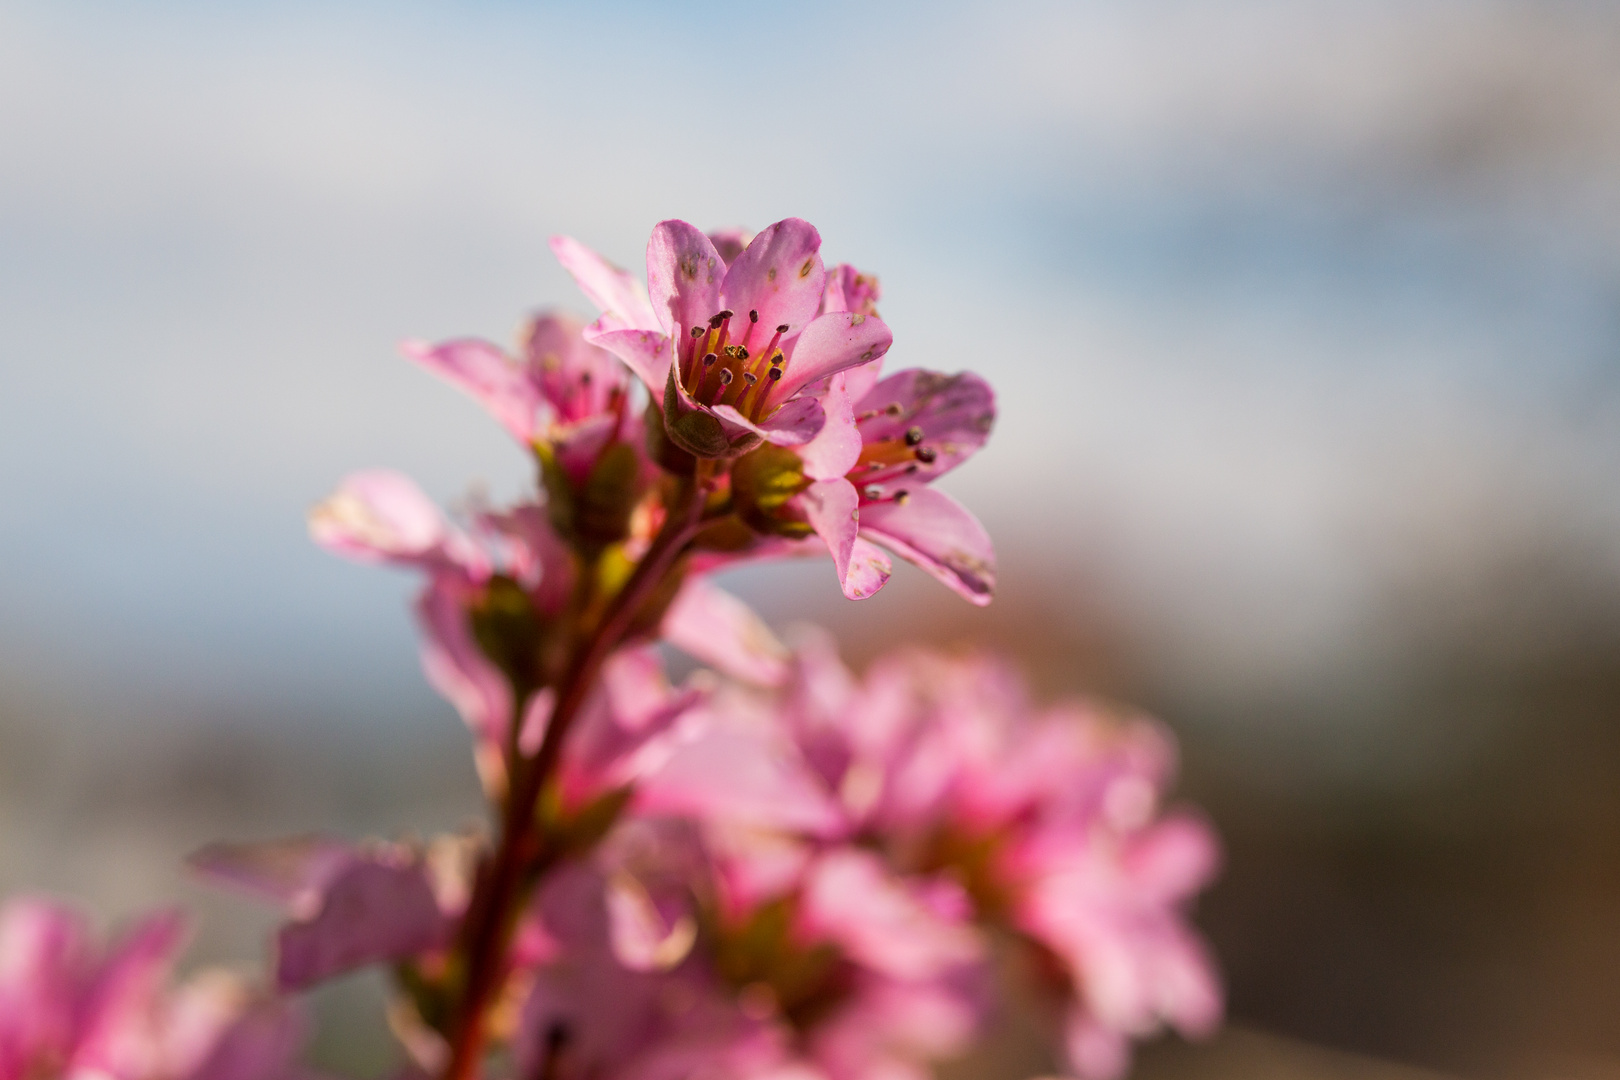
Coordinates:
(350, 906)
(1049, 818)
(561, 392)
(68, 1009)
(728, 349)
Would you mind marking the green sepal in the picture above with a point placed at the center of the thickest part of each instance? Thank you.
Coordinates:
(608, 498)
(692, 429)
(509, 631)
(762, 482)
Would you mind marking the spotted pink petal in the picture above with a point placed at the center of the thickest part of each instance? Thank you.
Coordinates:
(710, 624)
(493, 379)
(684, 274)
(645, 352)
(937, 533)
(952, 414)
(615, 292)
(837, 446)
(780, 276)
(869, 570)
(831, 343)
(830, 506)
(371, 912)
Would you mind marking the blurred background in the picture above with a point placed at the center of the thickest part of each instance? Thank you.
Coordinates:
(1305, 321)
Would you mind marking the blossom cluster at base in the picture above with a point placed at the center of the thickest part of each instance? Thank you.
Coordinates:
(775, 868)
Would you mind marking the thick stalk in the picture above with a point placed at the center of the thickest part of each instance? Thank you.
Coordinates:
(499, 890)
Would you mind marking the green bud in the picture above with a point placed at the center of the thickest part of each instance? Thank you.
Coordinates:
(508, 631)
(692, 429)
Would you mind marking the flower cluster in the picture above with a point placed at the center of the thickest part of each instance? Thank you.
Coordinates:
(773, 869)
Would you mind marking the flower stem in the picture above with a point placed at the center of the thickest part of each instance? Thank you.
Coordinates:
(500, 887)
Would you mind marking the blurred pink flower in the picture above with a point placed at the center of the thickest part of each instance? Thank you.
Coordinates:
(560, 390)
(67, 1009)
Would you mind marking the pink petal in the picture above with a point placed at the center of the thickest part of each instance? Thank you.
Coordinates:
(644, 937)
(382, 516)
(869, 570)
(1174, 859)
(831, 343)
(615, 292)
(730, 242)
(261, 1045)
(954, 414)
(293, 872)
(44, 950)
(830, 507)
(117, 1011)
(937, 533)
(684, 273)
(851, 897)
(1095, 1052)
(710, 624)
(781, 277)
(493, 379)
(795, 423)
(733, 776)
(371, 912)
(645, 352)
(455, 665)
(837, 446)
(850, 290)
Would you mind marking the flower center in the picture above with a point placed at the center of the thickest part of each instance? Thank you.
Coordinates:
(885, 464)
(726, 364)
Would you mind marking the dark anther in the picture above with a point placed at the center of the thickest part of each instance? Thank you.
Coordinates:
(911, 468)
(714, 323)
(709, 358)
(742, 353)
(776, 373)
(697, 331)
(782, 329)
(725, 376)
(894, 409)
(872, 491)
(900, 497)
(926, 454)
(750, 378)
(753, 316)
(914, 435)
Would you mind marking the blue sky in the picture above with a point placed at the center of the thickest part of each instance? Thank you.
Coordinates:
(1288, 306)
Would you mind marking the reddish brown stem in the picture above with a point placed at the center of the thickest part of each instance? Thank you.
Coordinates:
(500, 886)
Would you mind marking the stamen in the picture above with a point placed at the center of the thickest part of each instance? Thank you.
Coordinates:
(894, 409)
(914, 435)
(927, 454)
(718, 318)
(709, 359)
(872, 491)
(782, 329)
(725, 376)
(697, 331)
(900, 497)
(753, 316)
(750, 378)
(776, 374)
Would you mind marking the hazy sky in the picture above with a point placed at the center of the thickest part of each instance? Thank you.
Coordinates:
(1289, 306)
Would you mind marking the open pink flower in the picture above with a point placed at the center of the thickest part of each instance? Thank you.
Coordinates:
(729, 349)
(67, 1009)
